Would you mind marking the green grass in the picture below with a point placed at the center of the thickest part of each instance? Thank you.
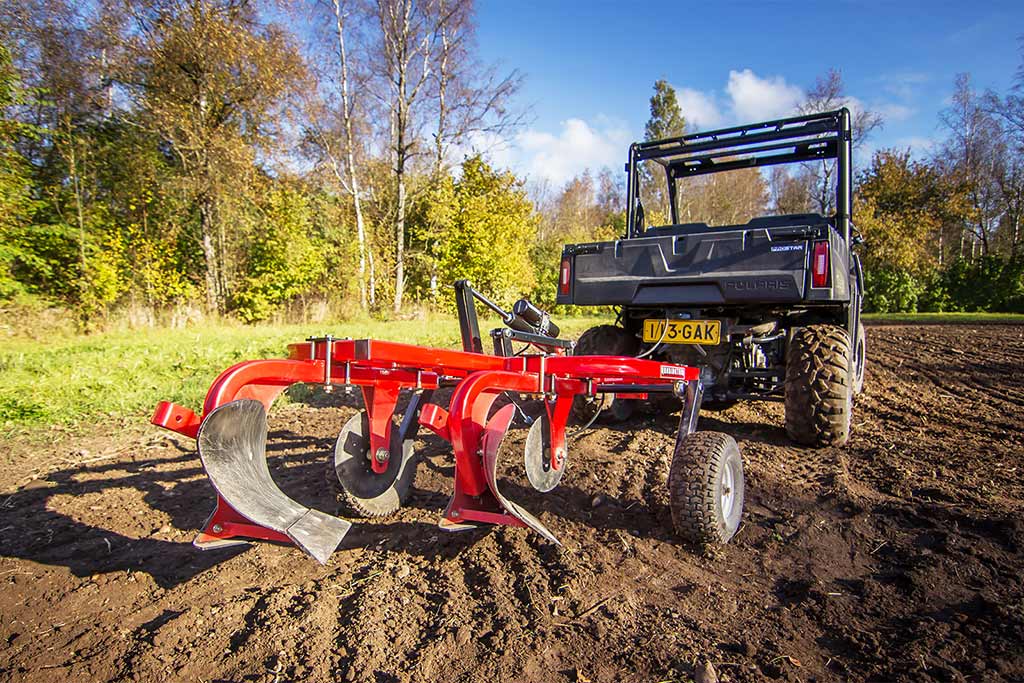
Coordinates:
(945, 318)
(71, 381)
(118, 377)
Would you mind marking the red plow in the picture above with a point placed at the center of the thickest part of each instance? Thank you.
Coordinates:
(374, 458)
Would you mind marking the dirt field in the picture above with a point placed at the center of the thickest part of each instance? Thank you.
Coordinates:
(898, 558)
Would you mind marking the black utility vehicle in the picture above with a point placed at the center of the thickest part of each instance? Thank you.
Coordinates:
(769, 309)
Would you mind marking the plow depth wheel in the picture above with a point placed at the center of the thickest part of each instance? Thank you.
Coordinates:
(360, 490)
(705, 487)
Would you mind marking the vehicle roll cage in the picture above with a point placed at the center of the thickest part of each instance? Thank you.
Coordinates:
(792, 140)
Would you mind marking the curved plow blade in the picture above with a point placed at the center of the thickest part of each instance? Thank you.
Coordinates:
(233, 446)
(494, 432)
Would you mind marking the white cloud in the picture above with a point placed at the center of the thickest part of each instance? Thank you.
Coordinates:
(918, 145)
(552, 158)
(904, 84)
(496, 149)
(895, 112)
(579, 145)
(698, 108)
(749, 98)
(756, 99)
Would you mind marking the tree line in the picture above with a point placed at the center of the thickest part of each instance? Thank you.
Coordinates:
(944, 233)
(242, 157)
(162, 158)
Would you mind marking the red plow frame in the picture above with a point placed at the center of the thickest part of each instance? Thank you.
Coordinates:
(231, 432)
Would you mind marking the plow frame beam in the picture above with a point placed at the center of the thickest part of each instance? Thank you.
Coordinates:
(383, 369)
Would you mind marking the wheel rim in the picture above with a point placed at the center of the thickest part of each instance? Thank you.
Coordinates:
(728, 490)
(352, 462)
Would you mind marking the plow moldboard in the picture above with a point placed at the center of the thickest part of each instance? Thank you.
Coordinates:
(233, 447)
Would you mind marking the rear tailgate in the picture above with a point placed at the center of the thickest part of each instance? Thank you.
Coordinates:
(711, 267)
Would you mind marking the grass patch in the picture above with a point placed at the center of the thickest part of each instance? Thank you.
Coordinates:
(71, 380)
(944, 318)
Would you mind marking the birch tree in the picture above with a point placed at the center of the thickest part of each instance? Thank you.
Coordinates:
(427, 71)
(829, 94)
(335, 111)
(409, 31)
(474, 101)
(350, 154)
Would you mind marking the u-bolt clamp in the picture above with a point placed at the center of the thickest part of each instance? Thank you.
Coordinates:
(328, 357)
(540, 377)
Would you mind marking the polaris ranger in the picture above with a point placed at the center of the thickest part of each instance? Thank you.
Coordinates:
(769, 309)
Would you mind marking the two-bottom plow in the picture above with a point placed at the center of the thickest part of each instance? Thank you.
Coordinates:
(374, 459)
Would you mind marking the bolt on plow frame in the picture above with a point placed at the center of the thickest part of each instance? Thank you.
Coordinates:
(374, 462)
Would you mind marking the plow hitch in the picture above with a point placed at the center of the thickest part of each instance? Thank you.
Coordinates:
(374, 461)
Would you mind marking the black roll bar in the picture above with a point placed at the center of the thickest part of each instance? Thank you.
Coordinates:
(791, 140)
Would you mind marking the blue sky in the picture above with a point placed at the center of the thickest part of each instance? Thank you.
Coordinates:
(590, 66)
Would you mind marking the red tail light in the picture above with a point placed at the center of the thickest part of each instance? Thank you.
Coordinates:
(820, 265)
(563, 278)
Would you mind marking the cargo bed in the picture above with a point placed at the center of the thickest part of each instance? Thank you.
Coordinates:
(768, 260)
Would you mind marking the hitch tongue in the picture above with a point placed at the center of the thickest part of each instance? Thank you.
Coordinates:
(233, 447)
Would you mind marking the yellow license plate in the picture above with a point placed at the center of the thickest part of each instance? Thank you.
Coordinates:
(683, 331)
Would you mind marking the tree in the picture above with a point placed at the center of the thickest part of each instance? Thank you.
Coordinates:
(973, 153)
(408, 34)
(281, 258)
(78, 252)
(729, 198)
(336, 120)
(211, 81)
(901, 206)
(484, 227)
(789, 193)
(425, 69)
(472, 100)
(587, 209)
(16, 203)
(348, 113)
(666, 120)
(1009, 111)
(829, 94)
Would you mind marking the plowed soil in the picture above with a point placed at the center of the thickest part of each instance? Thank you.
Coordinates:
(896, 558)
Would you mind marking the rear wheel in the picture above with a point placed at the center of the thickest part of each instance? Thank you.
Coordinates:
(705, 486)
(818, 391)
(860, 359)
(360, 491)
(604, 340)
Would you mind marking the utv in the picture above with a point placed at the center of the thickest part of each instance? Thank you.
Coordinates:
(769, 309)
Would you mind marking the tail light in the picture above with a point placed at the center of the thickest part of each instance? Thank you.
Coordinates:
(563, 277)
(820, 265)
